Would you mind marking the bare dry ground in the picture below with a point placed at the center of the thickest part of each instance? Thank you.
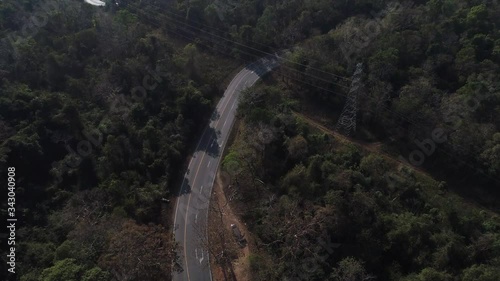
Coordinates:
(240, 265)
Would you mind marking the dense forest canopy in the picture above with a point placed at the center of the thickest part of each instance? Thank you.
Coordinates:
(428, 65)
(97, 113)
(100, 105)
(322, 208)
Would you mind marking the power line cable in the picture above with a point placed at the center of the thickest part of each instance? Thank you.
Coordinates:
(239, 43)
(312, 76)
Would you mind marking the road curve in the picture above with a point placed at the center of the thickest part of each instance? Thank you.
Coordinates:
(191, 209)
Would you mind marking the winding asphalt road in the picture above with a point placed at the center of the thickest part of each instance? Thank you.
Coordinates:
(191, 209)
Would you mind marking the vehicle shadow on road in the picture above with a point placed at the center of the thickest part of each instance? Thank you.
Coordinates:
(258, 69)
(210, 144)
(186, 187)
(215, 115)
(263, 66)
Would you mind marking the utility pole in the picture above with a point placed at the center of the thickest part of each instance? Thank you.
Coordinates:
(347, 120)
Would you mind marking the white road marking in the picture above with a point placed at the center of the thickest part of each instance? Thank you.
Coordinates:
(208, 165)
(201, 260)
(233, 88)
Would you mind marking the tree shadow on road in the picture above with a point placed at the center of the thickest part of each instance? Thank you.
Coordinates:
(215, 115)
(186, 187)
(263, 66)
(209, 143)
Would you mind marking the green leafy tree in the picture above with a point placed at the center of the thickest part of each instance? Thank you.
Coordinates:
(491, 154)
(96, 274)
(64, 270)
(349, 269)
(430, 274)
(481, 272)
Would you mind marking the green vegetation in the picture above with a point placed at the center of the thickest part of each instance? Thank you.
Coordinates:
(322, 208)
(98, 106)
(430, 68)
(97, 110)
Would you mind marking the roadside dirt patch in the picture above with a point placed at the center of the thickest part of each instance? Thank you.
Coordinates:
(241, 265)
